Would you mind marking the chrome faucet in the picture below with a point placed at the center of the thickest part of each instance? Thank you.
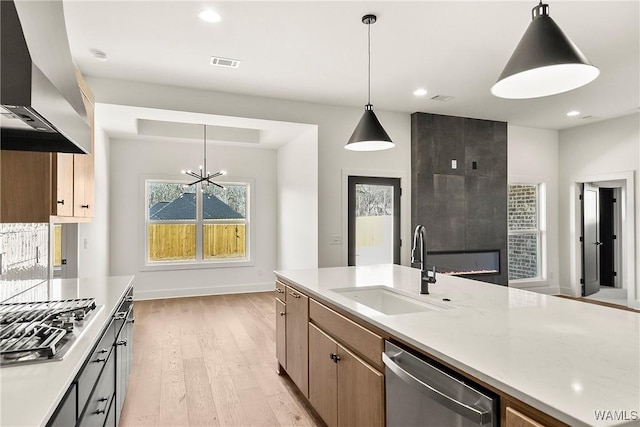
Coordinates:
(419, 256)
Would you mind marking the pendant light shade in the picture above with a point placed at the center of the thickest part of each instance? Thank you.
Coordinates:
(545, 62)
(369, 135)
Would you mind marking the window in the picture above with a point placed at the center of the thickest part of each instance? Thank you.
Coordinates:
(192, 224)
(525, 233)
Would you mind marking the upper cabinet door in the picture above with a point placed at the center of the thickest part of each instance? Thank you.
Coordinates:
(62, 200)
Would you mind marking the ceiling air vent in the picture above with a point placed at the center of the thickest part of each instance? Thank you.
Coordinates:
(224, 62)
(443, 98)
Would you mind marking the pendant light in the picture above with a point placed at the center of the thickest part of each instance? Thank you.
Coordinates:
(204, 176)
(545, 62)
(369, 135)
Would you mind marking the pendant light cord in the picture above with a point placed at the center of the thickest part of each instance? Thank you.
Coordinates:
(369, 64)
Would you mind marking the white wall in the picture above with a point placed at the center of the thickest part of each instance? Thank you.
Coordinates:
(335, 125)
(298, 202)
(533, 158)
(93, 259)
(603, 148)
(132, 161)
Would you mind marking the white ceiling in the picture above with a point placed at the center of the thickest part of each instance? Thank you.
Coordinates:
(316, 52)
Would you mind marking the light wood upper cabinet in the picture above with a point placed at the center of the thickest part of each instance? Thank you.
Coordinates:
(83, 186)
(297, 338)
(62, 187)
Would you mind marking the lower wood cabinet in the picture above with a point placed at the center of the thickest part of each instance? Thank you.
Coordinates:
(344, 389)
(281, 333)
(516, 419)
(296, 331)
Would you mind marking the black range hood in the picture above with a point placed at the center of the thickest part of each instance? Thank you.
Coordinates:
(42, 107)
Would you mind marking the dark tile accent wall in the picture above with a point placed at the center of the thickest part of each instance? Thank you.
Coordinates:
(463, 208)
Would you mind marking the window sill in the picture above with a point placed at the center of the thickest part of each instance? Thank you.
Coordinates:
(196, 265)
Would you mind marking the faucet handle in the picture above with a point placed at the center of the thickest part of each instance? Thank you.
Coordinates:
(431, 275)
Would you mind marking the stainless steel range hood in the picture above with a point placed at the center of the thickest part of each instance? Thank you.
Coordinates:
(42, 104)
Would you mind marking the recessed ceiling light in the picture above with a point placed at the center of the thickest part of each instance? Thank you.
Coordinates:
(210, 15)
(573, 113)
(420, 92)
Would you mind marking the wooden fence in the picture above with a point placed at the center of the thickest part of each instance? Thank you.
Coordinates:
(177, 242)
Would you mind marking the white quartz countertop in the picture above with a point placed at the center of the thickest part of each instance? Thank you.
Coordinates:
(566, 358)
(29, 394)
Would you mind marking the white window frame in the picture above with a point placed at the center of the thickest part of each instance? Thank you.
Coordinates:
(199, 262)
(540, 231)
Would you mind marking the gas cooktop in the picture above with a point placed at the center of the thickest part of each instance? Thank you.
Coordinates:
(32, 332)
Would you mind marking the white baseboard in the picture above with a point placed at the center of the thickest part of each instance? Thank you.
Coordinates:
(548, 290)
(568, 291)
(195, 292)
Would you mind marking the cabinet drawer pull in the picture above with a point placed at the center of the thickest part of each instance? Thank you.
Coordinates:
(280, 291)
(104, 409)
(132, 320)
(61, 202)
(103, 350)
(121, 342)
(282, 313)
(129, 299)
(294, 294)
(100, 360)
(84, 206)
(120, 315)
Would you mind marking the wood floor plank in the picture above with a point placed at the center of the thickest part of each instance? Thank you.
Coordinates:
(209, 361)
(200, 403)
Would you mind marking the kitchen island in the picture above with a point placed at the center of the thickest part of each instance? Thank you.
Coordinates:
(577, 362)
(29, 394)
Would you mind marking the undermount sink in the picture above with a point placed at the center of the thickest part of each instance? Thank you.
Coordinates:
(386, 300)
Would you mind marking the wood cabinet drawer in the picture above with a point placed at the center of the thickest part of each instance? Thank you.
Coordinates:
(365, 343)
(94, 365)
(280, 291)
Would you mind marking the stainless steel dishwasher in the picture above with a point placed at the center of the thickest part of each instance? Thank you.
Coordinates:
(421, 394)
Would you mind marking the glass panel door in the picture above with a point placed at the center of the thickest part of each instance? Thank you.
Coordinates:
(374, 220)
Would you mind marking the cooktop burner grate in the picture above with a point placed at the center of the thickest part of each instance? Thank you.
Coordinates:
(35, 331)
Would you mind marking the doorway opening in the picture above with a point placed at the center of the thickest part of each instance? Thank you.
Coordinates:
(606, 238)
(64, 250)
(373, 220)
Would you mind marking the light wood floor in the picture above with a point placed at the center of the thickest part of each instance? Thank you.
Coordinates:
(210, 361)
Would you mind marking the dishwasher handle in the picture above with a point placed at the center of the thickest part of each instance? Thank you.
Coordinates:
(477, 416)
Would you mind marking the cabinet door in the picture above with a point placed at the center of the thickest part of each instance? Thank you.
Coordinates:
(62, 200)
(83, 185)
(516, 419)
(281, 337)
(25, 186)
(67, 414)
(360, 392)
(297, 333)
(323, 375)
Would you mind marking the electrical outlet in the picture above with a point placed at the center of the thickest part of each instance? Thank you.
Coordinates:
(335, 240)
(454, 164)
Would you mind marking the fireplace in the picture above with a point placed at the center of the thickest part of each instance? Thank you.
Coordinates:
(466, 263)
